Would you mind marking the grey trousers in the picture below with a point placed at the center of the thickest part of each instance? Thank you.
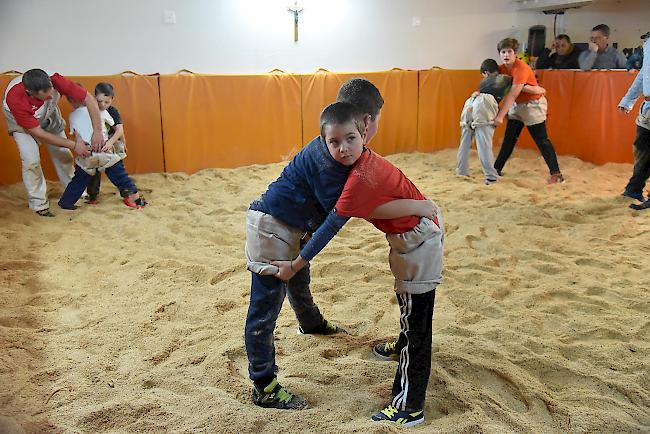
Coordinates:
(483, 137)
(476, 123)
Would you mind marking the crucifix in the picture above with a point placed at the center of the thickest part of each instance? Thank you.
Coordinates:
(295, 10)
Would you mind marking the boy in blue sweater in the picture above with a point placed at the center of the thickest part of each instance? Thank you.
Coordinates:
(278, 225)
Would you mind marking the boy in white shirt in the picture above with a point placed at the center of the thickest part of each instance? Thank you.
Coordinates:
(104, 161)
(80, 126)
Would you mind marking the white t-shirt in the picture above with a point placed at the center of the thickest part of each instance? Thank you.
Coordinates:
(81, 123)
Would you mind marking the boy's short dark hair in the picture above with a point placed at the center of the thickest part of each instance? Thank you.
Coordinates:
(489, 66)
(36, 80)
(565, 37)
(363, 94)
(104, 89)
(508, 43)
(602, 28)
(339, 113)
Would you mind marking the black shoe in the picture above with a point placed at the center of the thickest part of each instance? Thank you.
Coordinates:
(641, 206)
(326, 328)
(45, 213)
(387, 351)
(276, 396)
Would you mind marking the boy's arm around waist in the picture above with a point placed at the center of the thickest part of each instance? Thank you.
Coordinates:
(323, 235)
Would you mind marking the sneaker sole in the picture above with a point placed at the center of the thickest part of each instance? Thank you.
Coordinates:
(304, 405)
(413, 423)
(280, 407)
(384, 358)
(405, 425)
(299, 331)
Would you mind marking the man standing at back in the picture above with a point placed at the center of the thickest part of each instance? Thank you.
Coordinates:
(600, 54)
(30, 107)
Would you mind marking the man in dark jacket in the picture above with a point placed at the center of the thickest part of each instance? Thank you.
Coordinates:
(565, 55)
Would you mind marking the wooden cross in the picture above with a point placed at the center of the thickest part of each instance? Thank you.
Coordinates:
(295, 10)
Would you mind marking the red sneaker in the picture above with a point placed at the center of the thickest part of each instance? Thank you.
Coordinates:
(131, 203)
(556, 178)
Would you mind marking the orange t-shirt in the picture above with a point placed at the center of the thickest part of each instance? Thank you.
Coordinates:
(521, 73)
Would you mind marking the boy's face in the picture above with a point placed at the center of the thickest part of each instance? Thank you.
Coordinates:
(508, 56)
(344, 142)
(103, 101)
(43, 95)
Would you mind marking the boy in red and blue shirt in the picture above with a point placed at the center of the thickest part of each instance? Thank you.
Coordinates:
(378, 191)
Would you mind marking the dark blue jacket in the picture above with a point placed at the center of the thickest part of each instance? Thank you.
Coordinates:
(307, 189)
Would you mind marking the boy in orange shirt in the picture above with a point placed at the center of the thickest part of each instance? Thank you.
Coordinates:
(523, 109)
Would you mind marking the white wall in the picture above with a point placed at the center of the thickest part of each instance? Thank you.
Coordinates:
(83, 37)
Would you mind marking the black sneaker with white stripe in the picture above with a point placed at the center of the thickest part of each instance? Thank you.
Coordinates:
(404, 418)
(325, 328)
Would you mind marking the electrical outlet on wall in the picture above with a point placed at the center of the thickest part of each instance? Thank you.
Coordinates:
(169, 17)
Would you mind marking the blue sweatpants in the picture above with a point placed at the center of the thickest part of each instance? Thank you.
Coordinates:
(116, 173)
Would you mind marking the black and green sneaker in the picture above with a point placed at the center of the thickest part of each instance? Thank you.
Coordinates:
(386, 351)
(325, 328)
(276, 396)
(404, 418)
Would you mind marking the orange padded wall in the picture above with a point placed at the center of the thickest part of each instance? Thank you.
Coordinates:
(583, 119)
(600, 133)
(229, 120)
(442, 94)
(137, 99)
(10, 165)
(398, 123)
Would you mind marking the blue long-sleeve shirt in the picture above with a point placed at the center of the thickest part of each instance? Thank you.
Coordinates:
(641, 84)
(306, 190)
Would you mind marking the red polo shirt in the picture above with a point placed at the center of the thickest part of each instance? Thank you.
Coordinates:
(24, 107)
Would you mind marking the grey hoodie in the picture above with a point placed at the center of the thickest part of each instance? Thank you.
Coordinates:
(611, 58)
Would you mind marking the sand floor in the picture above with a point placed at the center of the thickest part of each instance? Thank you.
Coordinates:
(121, 321)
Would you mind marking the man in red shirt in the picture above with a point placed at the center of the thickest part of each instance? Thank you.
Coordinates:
(523, 109)
(30, 107)
(379, 192)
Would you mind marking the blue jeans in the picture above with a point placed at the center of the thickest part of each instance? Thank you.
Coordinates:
(267, 296)
(116, 173)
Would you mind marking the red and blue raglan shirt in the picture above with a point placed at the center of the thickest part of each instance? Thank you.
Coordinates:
(27, 110)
